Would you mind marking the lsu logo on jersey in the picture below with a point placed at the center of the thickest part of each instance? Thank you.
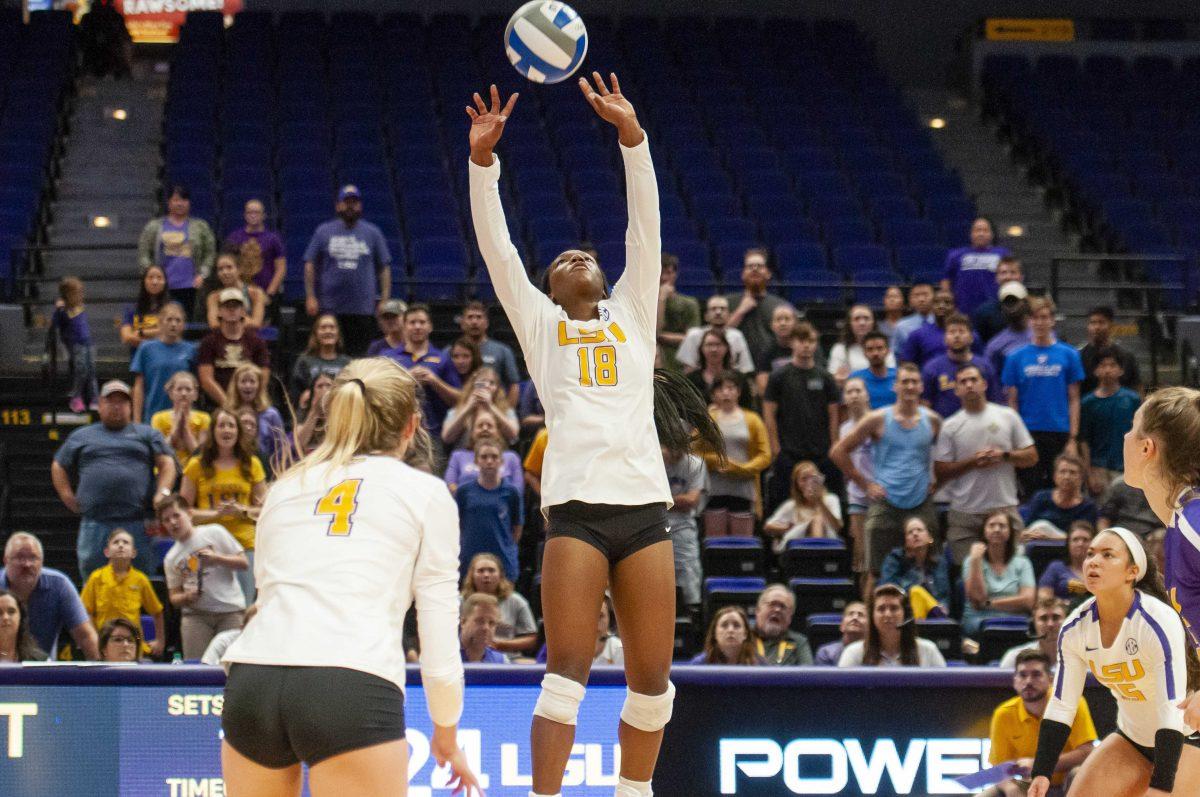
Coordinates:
(1122, 677)
(597, 365)
(566, 338)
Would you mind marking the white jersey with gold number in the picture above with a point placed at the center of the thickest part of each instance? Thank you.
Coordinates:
(594, 378)
(1145, 667)
(341, 555)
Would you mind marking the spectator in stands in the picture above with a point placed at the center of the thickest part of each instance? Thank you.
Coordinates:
(482, 391)
(499, 356)
(228, 346)
(1105, 415)
(121, 641)
(70, 323)
(530, 409)
(811, 511)
(939, 374)
(477, 629)
(260, 252)
(929, 340)
(140, 320)
(901, 439)
(156, 361)
(988, 319)
(47, 596)
(467, 360)
(119, 466)
(1042, 379)
(105, 41)
(1014, 304)
(1063, 578)
(461, 466)
(1049, 513)
(917, 564)
(855, 400)
(847, 355)
(119, 591)
(716, 360)
(228, 277)
(853, 629)
(807, 426)
(677, 313)
(976, 457)
(779, 353)
(734, 484)
(346, 265)
(1048, 617)
(323, 355)
(516, 633)
(891, 639)
(688, 480)
(534, 459)
(1017, 722)
(491, 512)
(391, 324)
(221, 642)
(184, 426)
(920, 302)
(201, 570)
(311, 430)
(1127, 507)
(879, 374)
(16, 641)
(971, 270)
(247, 387)
(893, 311)
(753, 307)
(609, 648)
(716, 316)
(433, 369)
(183, 246)
(225, 483)
(773, 641)
(1099, 334)
(728, 640)
(997, 580)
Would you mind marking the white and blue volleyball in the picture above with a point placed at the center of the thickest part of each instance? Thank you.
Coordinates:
(546, 41)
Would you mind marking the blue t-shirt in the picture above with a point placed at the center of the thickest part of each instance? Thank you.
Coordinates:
(1004, 343)
(901, 459)
(1103, 423)
(54, 606)
(433, 409)
(1058, 577)
(972, 275)
(938, 376)
(72, 328)
(499, 356)
(157, 362)
(1042, 507)
(490, 656)
(175, 254)
(346, 261)
(1041, 375)
(487, 517)
(115, 469)
(881, 390)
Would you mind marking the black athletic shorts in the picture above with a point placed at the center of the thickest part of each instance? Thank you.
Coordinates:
(1148, 752)
(616, 531)
(278, 716)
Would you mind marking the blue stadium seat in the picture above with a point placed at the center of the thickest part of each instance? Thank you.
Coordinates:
(736, 591)
(732, 556)
(815, 557)
(921, 263)
(820, 595)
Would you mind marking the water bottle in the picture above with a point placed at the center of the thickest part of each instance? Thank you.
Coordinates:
(177, 658)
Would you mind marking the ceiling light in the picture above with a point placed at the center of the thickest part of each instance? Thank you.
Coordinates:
(1015, 231)
(119, 114)
(937, 123)
(101, 221)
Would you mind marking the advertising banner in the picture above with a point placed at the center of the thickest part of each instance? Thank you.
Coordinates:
(158, 21)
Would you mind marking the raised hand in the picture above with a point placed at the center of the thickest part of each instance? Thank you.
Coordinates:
(612, 107)
(487, 125)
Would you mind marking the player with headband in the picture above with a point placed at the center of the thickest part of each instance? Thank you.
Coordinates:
(604, 484)
(1160, 460)
(1133, 643)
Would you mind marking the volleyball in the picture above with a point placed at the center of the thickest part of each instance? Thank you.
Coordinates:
(546, 41)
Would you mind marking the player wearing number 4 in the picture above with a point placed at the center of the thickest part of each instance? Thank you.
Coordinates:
(1134, 643)
(348, 539)
(604, 486)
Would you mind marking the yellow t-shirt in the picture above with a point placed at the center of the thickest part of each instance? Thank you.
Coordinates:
(537, 453)
(107, 596)
(227, 485)
(197, 420)
(1015, 733)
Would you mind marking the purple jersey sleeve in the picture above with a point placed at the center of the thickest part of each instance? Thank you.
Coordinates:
(1182, 550)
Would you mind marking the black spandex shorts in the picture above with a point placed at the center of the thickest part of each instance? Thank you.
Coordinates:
(615, 531)
(278, 716)
(1148, 752)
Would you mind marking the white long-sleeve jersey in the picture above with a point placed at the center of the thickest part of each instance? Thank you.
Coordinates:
(342, 553)
(594, 378)
(1145, 667)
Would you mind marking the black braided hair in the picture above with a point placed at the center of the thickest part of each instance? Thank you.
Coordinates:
(681, 416)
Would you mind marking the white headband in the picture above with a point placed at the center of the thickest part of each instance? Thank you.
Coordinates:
(1135, 549)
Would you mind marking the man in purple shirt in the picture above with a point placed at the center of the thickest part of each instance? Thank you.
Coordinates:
(853, 628)
(260, 251)
(940, 372)
(1014, 302)
(477, 630)
(929, 340)
(432, 367)
(971, 270)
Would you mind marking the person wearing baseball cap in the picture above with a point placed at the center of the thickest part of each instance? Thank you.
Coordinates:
(347, 271)
(988, 318)
(118, 468)
(1014, 305)
(229, 345)
(391, 324)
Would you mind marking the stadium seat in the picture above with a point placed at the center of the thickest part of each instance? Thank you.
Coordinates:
(1042, 552)
(998, 634)
(815, 557)
(732, 556)
(819, 594)
(740, 591)
(943, 632)
(821, 629)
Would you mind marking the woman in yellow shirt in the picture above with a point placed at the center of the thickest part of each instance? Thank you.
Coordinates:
(185, 438)
(226, 484)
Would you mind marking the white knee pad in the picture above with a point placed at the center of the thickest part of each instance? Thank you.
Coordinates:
(648, 713)
(559, 699)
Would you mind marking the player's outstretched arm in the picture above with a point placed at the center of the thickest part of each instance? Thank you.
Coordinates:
(613, 107)
(487, 125)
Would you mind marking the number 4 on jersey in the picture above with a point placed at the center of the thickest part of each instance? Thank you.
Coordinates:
(341, 501)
